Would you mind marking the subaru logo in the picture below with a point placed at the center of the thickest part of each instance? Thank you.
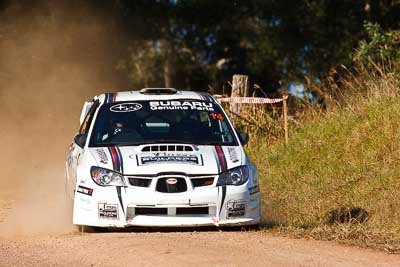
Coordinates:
(171, 181)
(126, 107)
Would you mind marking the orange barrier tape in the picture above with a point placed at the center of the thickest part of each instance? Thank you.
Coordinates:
(250, 100)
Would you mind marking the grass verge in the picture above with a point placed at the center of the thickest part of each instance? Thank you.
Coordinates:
(339, 177)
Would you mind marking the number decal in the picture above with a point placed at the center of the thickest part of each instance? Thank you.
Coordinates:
(216, 116)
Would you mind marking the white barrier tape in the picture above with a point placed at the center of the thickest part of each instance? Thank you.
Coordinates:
(250, 100)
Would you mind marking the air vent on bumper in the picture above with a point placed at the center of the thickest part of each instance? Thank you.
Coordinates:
(171, 211)
(166, 148)
(192, 211)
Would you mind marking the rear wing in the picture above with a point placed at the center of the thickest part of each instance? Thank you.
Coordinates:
(85, 109)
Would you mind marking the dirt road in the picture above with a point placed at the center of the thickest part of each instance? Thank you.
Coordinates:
(183, 249)
(197, 248)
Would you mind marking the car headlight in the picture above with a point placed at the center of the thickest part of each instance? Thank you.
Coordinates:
(105, 177)
(235, 176)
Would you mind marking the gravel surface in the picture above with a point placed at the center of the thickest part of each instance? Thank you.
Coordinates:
(183, 249)
(22, 245)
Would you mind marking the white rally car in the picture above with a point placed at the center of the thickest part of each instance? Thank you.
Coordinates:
(160, 157)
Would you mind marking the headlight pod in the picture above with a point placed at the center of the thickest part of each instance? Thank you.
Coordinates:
(235, 176)
(105, 177)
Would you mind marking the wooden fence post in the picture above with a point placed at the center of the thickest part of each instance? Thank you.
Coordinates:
(240, 87)
(285, 118)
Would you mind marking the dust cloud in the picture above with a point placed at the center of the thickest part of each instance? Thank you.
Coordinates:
(52, 58)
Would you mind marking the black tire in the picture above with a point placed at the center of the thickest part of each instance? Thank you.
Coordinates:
(91, 229)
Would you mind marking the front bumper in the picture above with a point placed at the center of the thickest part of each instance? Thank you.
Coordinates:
(203, 206)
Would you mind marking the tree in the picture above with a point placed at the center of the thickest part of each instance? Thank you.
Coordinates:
(193, 44)
(275, 42)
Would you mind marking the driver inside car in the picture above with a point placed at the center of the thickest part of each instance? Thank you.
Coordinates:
(118, 127)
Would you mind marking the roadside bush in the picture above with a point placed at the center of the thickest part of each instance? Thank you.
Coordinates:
(341, 164)
(379, 48)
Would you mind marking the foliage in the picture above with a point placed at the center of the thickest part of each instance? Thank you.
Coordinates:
(197, 43)
(144, 66)
(380, 47)
(275, 42)
(259, 121)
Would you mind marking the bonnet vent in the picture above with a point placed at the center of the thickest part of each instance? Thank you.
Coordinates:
(166, 148)
(158, 91)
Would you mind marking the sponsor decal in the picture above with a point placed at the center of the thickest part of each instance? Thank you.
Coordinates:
(217, 116)
(102, 156)
(165, 157)
(84, 190)
(236, 208)
(171, 181)
(126, 107)
(254, 190)
(108, 211)
(233, 154)
(181, 105)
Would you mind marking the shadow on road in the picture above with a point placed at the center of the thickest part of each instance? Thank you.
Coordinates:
(137, 229)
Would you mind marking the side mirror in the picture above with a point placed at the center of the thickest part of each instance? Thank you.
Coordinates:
(80, 140)
(243, 137)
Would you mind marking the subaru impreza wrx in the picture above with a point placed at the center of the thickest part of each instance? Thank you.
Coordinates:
(160, 157)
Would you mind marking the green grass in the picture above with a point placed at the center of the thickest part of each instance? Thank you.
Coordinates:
(347, 158)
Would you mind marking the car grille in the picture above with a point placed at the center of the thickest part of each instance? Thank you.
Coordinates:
(164, 187)
(141, 182)
(183, 181)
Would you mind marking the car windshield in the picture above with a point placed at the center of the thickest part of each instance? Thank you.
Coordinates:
(171, 121)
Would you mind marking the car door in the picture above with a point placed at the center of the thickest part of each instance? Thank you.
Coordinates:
(76, 149)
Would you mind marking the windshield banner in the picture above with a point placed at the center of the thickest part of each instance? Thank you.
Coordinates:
(181, 105)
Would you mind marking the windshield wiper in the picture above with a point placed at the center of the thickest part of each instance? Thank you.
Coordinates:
(214, 143)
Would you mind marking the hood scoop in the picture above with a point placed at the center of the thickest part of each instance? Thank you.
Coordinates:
(166, 148)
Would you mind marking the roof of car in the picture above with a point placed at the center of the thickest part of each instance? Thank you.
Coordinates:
(154, 94)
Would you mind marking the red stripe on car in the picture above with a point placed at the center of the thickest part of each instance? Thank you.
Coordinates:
(114, 158)
(221, 157)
